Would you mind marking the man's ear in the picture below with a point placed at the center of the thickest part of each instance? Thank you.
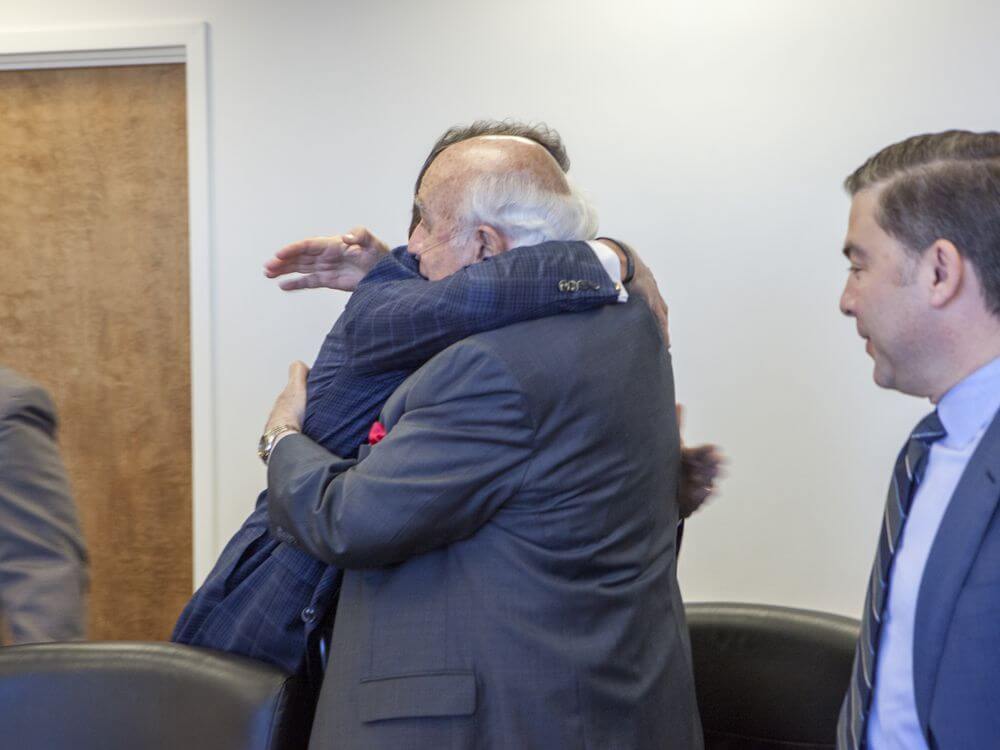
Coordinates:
(491, 242)
(948, 268)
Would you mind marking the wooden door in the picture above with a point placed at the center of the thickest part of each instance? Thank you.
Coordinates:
(94, 305)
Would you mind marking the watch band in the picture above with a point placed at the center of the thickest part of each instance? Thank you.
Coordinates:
(267, 441)
(629, 261)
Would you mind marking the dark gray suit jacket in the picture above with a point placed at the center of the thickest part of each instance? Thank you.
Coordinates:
(509, 546)
(43, 562)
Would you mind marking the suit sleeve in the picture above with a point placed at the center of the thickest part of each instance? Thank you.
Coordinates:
(401, 325)
(457, 454)
(43, 575)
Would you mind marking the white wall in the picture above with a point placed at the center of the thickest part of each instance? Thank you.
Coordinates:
(714, 136)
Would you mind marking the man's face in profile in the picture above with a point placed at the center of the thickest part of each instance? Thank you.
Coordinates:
(439, 241)
(882, 296)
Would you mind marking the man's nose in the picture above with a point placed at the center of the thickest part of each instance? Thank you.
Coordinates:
(415, 245)
(847, 302)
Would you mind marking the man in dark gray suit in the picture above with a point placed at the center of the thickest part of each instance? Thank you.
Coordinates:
(43, 562)
(509, 545)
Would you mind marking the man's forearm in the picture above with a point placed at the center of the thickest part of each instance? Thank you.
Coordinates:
(43, 546)
(445, 466)
(400, 325)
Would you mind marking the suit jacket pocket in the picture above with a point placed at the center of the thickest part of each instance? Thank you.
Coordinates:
(243, 555)
(419, 695)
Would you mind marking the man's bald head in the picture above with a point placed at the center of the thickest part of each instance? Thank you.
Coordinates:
(488, 194)
(507, 153)
(495, 159)
(538, 133)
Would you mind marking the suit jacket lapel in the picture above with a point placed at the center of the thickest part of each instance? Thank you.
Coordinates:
(952, 554)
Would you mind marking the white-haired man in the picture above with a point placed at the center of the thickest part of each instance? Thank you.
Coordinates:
(509, 544)
(267, 600)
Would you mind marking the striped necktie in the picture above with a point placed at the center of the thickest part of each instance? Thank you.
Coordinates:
(906, 476)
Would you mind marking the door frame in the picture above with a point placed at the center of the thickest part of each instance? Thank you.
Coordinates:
(185, 43)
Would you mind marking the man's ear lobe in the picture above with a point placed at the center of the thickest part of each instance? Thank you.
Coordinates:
(491, 242)
(948, 267)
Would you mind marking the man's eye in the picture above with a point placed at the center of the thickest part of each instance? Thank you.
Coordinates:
(854, 269)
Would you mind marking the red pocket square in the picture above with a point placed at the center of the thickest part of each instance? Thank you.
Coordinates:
(376, 433)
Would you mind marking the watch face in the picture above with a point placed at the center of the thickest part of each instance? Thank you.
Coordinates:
(262, 447)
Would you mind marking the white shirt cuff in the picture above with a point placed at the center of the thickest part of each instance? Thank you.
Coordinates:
(609, 260)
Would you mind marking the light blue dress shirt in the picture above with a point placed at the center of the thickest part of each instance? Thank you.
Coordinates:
(965, 411)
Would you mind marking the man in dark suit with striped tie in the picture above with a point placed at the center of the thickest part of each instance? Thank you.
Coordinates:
(924, 288)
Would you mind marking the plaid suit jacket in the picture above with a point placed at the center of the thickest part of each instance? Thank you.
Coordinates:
(266, 599)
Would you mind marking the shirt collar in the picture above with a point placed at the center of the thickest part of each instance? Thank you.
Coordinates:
(971, 404)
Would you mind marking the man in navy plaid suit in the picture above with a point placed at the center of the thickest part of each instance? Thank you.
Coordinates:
(269, 601)
(265, 599)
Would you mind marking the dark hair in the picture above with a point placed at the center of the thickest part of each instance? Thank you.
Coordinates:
(941, 186)
(540, 133)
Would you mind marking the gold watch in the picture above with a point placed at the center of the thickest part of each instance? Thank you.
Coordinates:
(266, 443)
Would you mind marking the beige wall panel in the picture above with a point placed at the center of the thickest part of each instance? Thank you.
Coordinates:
(94, 305)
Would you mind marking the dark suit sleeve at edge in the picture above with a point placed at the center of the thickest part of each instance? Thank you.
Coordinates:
(459, 451)
(43, 568)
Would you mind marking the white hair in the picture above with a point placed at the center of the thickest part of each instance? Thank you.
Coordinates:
(526, 214)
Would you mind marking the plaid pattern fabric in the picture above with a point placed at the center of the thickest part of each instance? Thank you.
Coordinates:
(265, 599)
(519, 285)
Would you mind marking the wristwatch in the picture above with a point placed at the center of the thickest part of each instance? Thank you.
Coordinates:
(266, 443)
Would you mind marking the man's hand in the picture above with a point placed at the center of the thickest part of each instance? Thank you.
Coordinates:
(337, 262)
(644, 285)
(700, 467)
(290, 408)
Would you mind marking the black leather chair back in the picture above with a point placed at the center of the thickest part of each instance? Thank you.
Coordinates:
(146, 696)
(769, 678)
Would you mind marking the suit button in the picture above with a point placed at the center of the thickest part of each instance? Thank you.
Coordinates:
(309, 614)
(563, 286)
(282, 533)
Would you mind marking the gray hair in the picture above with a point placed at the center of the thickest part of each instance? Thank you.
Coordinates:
(526, 213)
(941, 186)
